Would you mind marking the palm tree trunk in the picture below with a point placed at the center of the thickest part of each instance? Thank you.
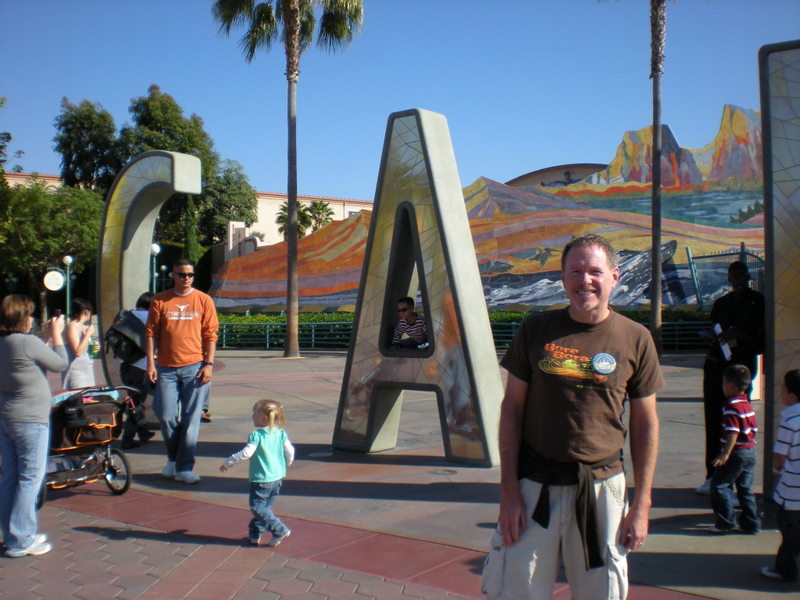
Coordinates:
(658, 16)
(291, 15)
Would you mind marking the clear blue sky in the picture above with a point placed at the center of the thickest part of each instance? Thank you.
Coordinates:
(524, 84)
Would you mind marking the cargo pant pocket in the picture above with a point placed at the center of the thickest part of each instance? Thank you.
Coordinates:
(494, 567)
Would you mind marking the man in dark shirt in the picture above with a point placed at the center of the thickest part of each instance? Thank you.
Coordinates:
(740, 315)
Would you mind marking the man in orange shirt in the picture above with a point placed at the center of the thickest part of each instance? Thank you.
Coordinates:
(182, 325)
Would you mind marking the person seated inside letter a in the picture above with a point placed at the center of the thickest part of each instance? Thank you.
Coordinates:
(410, 331)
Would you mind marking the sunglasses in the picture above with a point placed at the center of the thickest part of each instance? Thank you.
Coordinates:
(185, 275)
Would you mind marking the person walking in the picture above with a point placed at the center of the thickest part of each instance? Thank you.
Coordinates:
(182, 325)
(269, 451)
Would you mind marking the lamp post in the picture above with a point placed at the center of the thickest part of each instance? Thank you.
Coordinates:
(68, 260)
(163, 277)
(155, 249)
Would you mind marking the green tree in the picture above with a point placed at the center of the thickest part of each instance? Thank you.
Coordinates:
(320, 214)
(5, 140)
(159, 124)
(303, 220)
(39, 225)
(86, 140)
(227, 197)
(658, 34)
(293, 21)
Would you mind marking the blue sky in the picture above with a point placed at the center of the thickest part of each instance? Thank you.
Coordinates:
(524, 84)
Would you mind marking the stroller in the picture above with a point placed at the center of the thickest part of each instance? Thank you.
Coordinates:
(83, 423)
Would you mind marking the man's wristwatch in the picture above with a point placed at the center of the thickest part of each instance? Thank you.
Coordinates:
(208, 363)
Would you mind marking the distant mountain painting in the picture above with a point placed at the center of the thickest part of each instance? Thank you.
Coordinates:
(711, 203)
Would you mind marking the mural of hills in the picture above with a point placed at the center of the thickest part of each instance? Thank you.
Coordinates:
(519, 232)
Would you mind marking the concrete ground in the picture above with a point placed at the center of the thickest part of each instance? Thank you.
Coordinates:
(400, 524)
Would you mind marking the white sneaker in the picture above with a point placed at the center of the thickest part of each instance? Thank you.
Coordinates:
(277, 540)
(769, 573)
(187, 477)
(37, 548)
(169, 469)
(705, 489)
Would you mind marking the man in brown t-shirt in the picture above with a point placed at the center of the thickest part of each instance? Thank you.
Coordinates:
(562, 489)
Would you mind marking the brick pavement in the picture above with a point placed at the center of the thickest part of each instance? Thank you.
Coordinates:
(96, 557)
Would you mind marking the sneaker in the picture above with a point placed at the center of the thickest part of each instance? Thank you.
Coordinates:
(187, 476)
(37, 548)
(255, 541)
(145, 435)
(715, 529)
(277, 540)
(127, 444)
(169, 469)
(770, 574)
(705, 489)
(205, 416)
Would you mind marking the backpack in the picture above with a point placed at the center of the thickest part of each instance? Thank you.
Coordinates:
(125, 338)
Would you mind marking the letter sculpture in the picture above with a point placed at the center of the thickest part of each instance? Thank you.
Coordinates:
(420, 240)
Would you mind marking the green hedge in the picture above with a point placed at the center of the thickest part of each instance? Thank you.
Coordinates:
(495, 316)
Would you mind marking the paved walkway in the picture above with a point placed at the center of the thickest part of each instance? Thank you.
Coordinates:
(398, 525)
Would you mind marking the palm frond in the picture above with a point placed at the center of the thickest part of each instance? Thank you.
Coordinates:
(231, 14)
(341, 20)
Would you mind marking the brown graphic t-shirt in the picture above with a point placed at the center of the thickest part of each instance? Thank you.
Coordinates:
(579, 377)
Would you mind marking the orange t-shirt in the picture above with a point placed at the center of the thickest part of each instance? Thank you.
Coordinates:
(181, 326)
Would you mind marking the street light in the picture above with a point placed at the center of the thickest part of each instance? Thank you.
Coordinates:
(155, 249)
(163, 277)
(68, 260)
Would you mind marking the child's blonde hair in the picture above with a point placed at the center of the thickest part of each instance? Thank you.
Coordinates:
(271, 409)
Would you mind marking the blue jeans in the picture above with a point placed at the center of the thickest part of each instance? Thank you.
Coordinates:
(789, 550)
(178, 404)
(23, 447)
(262, 495)
(739, 470)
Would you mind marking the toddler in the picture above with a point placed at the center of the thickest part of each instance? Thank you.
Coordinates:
(269, 450)
(786, 458)
(737, 460)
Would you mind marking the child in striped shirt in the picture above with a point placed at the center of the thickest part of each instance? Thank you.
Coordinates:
(737, 459)
(786, 458)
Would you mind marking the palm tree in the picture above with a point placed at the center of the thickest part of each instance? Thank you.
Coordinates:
(303, 220)
(658, 33)
(293, 21)
(319, 213)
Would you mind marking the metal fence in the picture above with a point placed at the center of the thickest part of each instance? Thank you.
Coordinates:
(676, 336)
(710, 272)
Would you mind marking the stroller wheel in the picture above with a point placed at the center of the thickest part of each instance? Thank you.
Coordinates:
(118, 472)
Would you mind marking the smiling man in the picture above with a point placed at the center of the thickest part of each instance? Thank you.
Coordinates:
(182, 326)
(562, 488)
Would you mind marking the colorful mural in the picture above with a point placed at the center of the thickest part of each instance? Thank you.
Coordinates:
(712, 201)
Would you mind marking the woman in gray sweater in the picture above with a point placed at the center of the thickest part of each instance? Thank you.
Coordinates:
(24, 421)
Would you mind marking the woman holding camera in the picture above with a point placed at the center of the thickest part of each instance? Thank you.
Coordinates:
(24, 421)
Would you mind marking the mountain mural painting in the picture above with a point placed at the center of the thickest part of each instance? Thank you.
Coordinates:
(711, 203)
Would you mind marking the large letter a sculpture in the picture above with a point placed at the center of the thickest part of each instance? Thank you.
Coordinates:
(420, 240)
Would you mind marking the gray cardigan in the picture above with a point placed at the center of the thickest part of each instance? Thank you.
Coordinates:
(24, 390)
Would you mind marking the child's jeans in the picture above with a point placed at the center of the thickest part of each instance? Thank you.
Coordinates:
(739, 470)
(262, 495)
(789, 551)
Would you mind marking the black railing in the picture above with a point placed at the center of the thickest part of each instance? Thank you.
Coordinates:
(675, 335)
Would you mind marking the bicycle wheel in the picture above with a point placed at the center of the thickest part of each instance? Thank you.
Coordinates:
(118, 472)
